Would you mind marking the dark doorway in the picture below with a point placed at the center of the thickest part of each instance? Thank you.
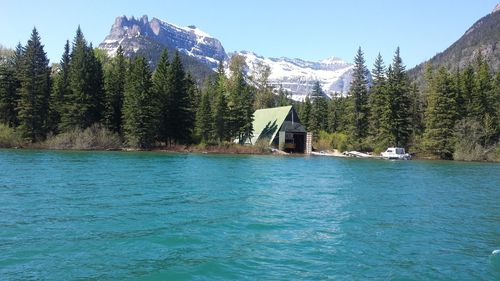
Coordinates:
(295, 142)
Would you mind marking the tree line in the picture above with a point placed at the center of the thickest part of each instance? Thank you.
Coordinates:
(147, 108)
(456, 113)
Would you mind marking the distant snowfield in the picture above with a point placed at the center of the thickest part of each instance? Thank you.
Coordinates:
(298, 76)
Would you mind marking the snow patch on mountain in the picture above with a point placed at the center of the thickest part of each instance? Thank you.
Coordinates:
(298, 76)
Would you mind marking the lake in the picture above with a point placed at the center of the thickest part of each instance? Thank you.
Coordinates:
(159, 216)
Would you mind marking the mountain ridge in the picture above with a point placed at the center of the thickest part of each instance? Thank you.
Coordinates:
(483, 36)
(141, 36)
(189, 40)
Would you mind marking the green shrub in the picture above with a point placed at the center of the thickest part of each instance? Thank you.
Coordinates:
(9, 137)
(327, 141)
(340, 141)
(465, 151)
(323, 141)
(470, 142)
(262, 145)
(96, 137)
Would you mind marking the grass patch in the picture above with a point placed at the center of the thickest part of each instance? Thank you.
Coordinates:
(96, 137)
(222, 148)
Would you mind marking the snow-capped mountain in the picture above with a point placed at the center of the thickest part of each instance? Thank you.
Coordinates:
(202, 52)
(298, 76)
(136, 35)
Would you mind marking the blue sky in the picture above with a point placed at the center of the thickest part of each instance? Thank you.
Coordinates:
(311, 30)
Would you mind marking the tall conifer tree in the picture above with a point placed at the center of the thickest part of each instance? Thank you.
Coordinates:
(440, 115)
(140, 108)
(192, 105)
(204, 120)
(60, 90)
(399, 101)
(9, 84)
(319, 110)
(484, 99)
(181, 116)
(467, 89)
(378, 102)
(220, 107)
(84, 103)
(161, 87)
(240, 101)
(114, 85)
(305, 113)
(220, 117)
(359, 97)
(33, 104)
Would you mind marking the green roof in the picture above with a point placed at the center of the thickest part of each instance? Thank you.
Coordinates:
(266, 122)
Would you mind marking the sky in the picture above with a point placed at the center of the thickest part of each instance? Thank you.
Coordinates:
(306, 29)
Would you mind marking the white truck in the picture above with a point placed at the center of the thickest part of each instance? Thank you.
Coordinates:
(395, 153)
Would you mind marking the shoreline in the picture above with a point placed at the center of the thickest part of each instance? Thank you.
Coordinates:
(233, 150)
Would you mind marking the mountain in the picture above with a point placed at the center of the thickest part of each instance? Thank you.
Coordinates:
(483, 36)
(202, 52)
(298, 76)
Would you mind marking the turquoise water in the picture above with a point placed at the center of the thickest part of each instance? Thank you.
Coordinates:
(154, 216)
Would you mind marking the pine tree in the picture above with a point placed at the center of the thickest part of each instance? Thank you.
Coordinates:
(220, 107)
(440, 115)
(305, 113)
(220, 117)
(240, 101)
(8, 92)
(162, 89)
(319, 110)
(495, 100)
(96, 83)
(481, 89)
(60, 90)
(181, 117)
(264, 97)
(399, 100)
(483, 100)
(333, 117)
(248, 110)
(467, 91)
(33, 103)
(283, 97)
(460, 95)
(204, 116)
(359, 97)
(416, 111)
(192, 105)
(114, 86)
(84, 103)
(377, 100)
(140, 107)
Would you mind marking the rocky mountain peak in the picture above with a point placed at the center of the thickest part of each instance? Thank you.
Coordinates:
(496, 9)
(135, 35)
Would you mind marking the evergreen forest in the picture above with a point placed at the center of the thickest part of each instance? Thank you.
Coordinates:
(92, 98)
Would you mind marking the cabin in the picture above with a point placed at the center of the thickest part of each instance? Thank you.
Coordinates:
(281, 127)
